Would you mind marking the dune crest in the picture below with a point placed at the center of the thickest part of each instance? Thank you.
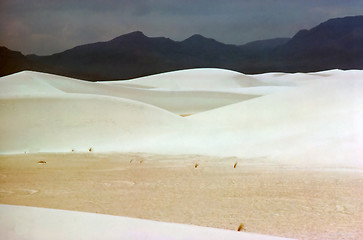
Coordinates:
(274, 115)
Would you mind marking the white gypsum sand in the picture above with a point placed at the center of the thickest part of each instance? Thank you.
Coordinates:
(267, 198)
(318, 117)
(180, 101)
(18, 222)
(305, 120)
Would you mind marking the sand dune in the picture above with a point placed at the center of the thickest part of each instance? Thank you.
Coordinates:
(176, 101)
(320, 120)
(41, 223)
(299, 116)
(305, 120)
(79, 122)
(26, 84)
(202, 79)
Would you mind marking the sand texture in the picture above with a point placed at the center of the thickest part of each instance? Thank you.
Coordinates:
(278, 154)
(268, 199)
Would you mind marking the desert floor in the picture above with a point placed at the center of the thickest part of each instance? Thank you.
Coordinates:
(267, 198)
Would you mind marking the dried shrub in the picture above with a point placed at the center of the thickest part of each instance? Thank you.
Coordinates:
(241, 227)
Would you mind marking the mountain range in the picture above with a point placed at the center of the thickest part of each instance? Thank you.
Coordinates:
(336, 43)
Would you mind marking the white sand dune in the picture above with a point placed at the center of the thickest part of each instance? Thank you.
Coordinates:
(27, 84)
(298, 79)
(318, 122)
(79, 122)
(18, 222)
(202, 79)
(292, 79)
(302, 120)
(314, 119)
(177, 101)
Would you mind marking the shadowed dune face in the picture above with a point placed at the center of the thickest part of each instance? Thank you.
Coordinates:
(275, 115)
(195, 79)
(54, 113)
(47, 123)
(194, 97)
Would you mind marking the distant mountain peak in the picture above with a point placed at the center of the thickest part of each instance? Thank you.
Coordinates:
(131, 35)
(198, 37)
(334, 26)
(135, 34)
(330, 33)
(349, 19)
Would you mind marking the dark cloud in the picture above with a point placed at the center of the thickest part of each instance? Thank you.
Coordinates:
(49, 26)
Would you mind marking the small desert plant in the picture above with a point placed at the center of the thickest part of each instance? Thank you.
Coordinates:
(241, 227)
(90, 149)
(235, 165)
(42, 162)
(72, 150)
(142, 160)
(196, 165)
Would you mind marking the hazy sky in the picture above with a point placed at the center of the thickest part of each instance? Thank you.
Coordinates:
(50, 26)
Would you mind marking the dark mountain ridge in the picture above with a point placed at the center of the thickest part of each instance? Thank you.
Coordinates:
(264, 45)
(336, 43)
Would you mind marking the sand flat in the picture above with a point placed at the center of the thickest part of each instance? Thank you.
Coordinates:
(267, 198)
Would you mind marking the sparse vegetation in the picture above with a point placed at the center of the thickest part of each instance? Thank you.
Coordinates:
(90, 149)
(235, 165)
(72, 150)
(196, 165)
(42, 162)
(241, 227)
(137, 160)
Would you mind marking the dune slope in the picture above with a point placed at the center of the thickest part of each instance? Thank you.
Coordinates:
(79, 122)
(179, 101)
(312, 118)
(317, 120)
(40, 223)
(194, 79)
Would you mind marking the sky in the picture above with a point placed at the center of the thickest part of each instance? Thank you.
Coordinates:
(49, 26)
